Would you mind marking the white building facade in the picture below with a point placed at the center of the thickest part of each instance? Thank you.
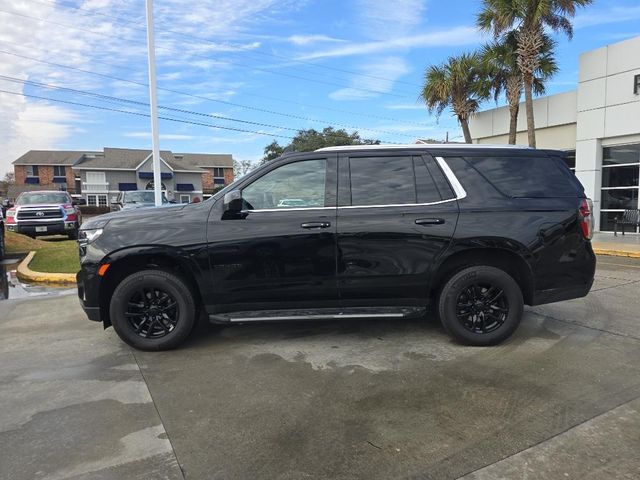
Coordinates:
(598, 125)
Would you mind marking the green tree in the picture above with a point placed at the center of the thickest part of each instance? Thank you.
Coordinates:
(529, 18)
(460, 84)
(310, 140)
(504, 76)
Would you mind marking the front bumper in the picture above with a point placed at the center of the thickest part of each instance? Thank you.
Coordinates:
(43, 228)
(88, 284)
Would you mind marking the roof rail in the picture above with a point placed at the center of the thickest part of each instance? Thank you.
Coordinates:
(421, 146)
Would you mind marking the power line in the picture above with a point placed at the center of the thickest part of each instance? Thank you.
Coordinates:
(261, 96)
(227, 44)
(134, 82)
(266, 70)
(145, 104)
(142, 114)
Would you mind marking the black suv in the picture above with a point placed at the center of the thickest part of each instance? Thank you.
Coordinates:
(376, 232)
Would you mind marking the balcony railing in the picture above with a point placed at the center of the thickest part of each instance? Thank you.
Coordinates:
(95, 187)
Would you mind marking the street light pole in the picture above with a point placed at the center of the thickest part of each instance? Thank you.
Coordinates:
(153, 101)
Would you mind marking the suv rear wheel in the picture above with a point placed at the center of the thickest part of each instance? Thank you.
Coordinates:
(152, 310)
(480, 305)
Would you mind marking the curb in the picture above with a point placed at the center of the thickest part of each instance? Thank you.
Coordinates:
(616, 253)
(25, 274)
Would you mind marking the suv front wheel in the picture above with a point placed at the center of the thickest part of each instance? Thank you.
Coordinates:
(152, 310)
(480, 305)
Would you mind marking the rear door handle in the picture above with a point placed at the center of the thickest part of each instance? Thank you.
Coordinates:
(429, 221)
(316, 225)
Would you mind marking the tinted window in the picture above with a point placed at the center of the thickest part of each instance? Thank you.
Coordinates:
(382, 181)
(441, 182)
(294, 185)
(526, 176)
(426, 190)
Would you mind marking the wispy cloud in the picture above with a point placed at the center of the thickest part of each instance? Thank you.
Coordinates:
(387, 71)
(614, 14)
(463, 35)
(163, 136)
(311, 39)
(405, 106)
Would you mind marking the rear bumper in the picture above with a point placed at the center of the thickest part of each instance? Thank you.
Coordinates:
(541, 297)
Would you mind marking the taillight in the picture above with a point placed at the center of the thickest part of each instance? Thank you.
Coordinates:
(585, 213)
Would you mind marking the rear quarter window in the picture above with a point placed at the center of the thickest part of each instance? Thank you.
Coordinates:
(529, 177)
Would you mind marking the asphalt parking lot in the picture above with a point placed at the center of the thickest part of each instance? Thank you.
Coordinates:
(339, 400)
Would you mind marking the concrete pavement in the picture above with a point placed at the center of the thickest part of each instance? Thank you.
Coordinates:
(352, 399)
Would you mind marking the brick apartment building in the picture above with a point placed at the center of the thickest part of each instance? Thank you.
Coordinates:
(99, 176)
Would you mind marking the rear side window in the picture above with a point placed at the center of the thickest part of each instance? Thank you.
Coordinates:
(382, 181)
(532, 177)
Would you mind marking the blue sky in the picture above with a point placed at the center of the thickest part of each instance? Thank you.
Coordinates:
(352, 63)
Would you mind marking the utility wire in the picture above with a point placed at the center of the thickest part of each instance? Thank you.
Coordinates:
(134, 82)
(164, 29)
(266, 70)
(264, 97)
(144, 104)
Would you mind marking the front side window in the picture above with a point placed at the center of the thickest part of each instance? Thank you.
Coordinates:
(382, 181)
(294, 185)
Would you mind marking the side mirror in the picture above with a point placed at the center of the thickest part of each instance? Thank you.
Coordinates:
(233, 201)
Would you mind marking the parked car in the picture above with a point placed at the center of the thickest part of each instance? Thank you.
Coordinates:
(136, 199)
(46, 212)
(2, 239)
(472, 232)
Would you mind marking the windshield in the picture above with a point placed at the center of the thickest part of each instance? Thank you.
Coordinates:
(142, 197)
(42, 197)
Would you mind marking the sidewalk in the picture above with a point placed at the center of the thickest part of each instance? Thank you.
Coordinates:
(620, 246)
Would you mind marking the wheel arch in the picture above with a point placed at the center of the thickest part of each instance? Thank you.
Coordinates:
(508, 260)
(125, 262)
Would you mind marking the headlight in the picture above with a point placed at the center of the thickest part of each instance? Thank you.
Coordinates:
(88, 236)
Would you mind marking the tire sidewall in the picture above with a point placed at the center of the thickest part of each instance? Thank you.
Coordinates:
(167, 282)
(478, 274)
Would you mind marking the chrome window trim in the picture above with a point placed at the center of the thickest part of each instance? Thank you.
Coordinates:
(458, 189)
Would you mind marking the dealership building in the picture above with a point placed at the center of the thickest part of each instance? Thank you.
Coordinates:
(598, 124)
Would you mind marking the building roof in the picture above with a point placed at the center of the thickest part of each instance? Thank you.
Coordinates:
(49, 157)
(124, 159)
(206, 159)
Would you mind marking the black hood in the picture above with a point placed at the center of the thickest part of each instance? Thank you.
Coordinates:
(132, 214)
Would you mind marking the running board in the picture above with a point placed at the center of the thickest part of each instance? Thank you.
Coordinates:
(318, 314)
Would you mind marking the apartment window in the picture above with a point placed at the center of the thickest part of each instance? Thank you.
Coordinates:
(59, 171)
(97, 200)
(184, 198)
(218, 172)
(620, 182)
(32, 170)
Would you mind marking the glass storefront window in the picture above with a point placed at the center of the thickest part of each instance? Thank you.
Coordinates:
(620, 176)
(621, 154)
(620, 168)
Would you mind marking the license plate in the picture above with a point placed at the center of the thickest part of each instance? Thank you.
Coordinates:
(41, 229)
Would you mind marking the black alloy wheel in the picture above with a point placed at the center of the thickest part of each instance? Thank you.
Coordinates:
(152, 312)
(480, 305)
(482, 308)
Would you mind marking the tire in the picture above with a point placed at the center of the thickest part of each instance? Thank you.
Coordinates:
(160, 327)
(472, 309)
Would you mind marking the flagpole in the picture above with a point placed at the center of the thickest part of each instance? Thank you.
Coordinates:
(153, 101)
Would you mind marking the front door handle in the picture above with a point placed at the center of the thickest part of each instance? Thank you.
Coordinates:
(316, 225)
(429, 221)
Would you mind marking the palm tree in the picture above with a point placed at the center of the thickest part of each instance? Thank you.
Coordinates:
(459, 84)
(500, 59)
(529, 18)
